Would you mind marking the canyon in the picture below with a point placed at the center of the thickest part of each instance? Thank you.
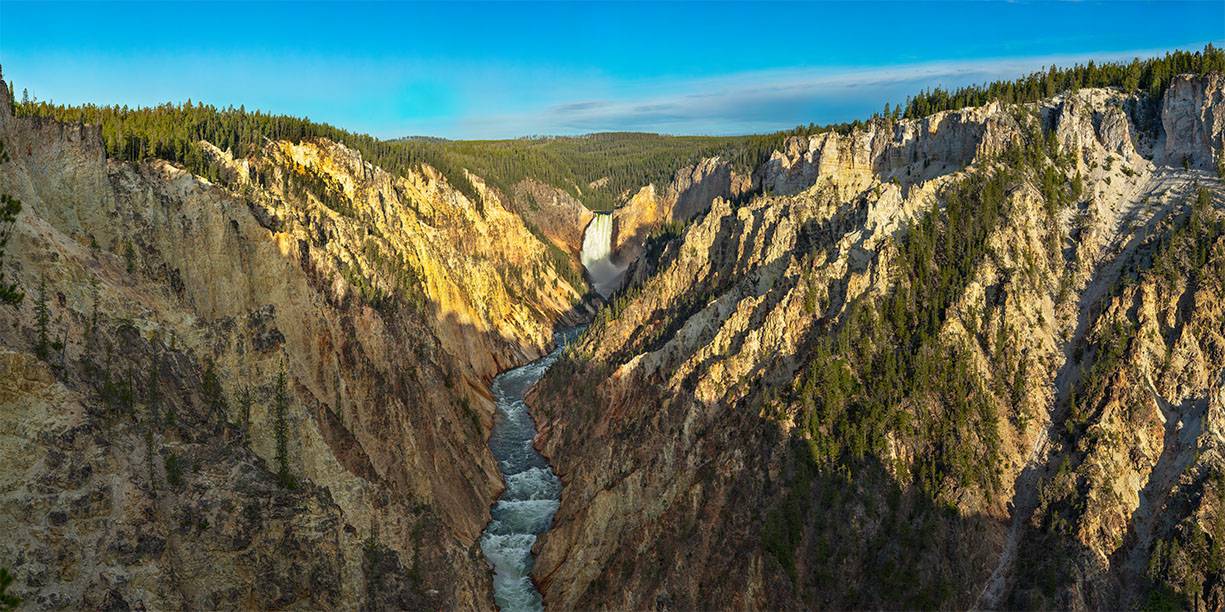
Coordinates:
(970, 359)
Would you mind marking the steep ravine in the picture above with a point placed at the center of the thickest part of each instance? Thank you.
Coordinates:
(388, 303)
(526, 506)
(1166, 193)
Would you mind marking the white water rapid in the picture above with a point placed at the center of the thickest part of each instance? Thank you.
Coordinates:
(533, 491)
(597, 255)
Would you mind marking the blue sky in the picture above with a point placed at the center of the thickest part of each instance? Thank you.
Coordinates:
(512, 69)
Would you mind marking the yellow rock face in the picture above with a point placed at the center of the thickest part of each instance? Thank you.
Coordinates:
(389, 301)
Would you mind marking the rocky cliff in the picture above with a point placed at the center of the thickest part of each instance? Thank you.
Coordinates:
(688, 195)
(878, 383)
(1193, 118)
(906, 151)
(141, 433)
(557, 214)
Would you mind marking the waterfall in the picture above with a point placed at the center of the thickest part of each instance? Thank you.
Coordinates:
(597, 256)
(597, 240)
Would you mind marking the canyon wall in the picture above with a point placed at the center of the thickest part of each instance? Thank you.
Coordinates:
(879, 383)
(141, 439)
(688, 195)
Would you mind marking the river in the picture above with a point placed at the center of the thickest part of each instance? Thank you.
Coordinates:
(525, 509)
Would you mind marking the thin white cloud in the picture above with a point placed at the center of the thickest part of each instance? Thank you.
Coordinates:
(761, 100)
(391, 97)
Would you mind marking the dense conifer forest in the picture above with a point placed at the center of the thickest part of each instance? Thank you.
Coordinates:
(601, 170)
(1149, 75)
(598, 169)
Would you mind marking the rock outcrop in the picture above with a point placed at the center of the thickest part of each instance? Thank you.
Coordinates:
(907, 152)
(690, 193)
(1193, 118)
(556, 214)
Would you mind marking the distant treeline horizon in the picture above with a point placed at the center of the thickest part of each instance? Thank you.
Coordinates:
(601, 169)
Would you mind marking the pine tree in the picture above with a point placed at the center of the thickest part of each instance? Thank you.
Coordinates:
(172, 415)
(150, 424)
(214, 396)
(152, 391)
(7, 601)
(42, 317)
(281, 405)
(106, 389)
(128, 393)
(129, 254)
(10, 207)
(91, 328)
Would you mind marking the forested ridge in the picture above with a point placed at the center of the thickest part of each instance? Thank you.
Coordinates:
(173, 131)
(598, 169)
(1151, 75)
(601, 170)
